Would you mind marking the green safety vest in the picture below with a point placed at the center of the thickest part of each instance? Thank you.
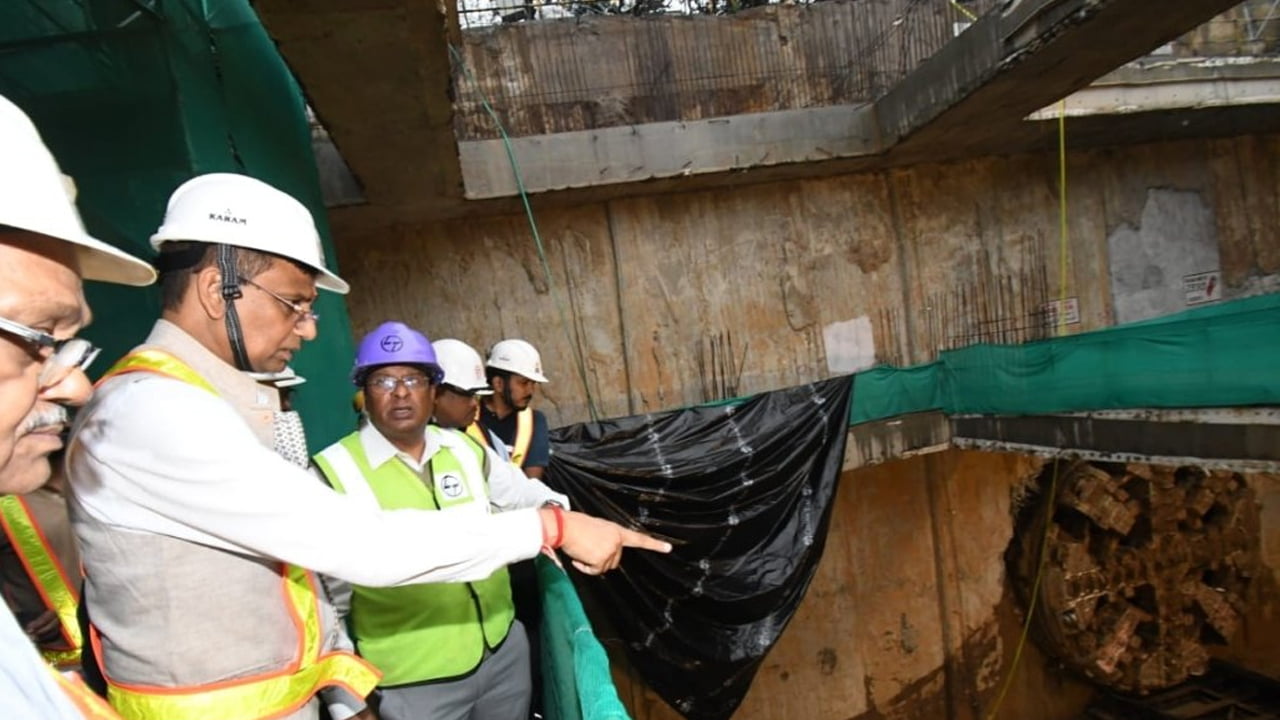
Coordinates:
(429, 631)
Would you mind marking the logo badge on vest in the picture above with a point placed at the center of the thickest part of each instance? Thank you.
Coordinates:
(451, 486)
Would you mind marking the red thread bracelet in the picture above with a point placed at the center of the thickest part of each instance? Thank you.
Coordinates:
(558, 512)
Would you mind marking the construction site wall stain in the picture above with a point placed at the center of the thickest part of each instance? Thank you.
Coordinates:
(969, 255)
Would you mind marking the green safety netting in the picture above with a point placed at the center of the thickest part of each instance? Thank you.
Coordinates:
(136, 96)
(575, 669)
(1216, 356)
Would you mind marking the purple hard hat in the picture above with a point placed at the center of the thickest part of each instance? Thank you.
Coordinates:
(394, 343)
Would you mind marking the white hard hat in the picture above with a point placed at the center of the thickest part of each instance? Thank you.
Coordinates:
(287, 377)
(519, 357)
(462, 366)
(241, 211)
(35, 196)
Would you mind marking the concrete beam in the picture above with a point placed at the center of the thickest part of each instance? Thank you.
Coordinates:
(1175, 85)
(901, 437)
(969, 97)
(1242, 439)
(666, 150)
(376, 72)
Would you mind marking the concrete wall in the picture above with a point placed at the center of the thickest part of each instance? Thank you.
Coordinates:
(910, 614)
(601, 71)
(1250, 28)
(597, 71)
(678, 299)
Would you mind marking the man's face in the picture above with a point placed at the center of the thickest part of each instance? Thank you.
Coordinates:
(273, 330)
(517, 390)
(40, 288)
(454, 408)
(401, 412)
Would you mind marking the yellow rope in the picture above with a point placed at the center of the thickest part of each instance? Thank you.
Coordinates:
(964, 10)
(1035, 593)
(1053, 483)
(1062, 217)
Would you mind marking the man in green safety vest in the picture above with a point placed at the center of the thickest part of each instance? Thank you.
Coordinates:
(446, 650)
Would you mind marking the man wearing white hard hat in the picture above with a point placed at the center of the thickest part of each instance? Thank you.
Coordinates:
(44, 253)
(458, 397)
(514, 370)
(196, 526)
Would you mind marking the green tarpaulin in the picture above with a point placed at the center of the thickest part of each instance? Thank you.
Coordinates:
(136, 97)
(1216, 356)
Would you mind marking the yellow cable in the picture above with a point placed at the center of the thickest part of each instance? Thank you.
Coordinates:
(1053, 483)
(1062, 217)
(1035, 593)
(964, 10)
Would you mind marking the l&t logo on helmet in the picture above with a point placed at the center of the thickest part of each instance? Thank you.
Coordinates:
(391, 343)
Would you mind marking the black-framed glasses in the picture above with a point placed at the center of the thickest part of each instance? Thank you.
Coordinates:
(300, 310)
(61, 357)
(386, 384)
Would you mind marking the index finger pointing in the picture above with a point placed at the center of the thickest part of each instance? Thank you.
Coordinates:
(631, 538)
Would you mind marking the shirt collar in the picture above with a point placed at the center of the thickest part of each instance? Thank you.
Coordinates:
(379, 450)
(233, 385)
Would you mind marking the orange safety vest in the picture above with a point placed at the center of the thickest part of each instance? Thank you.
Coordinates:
(90, 705)
(266, 695)
(50, 579)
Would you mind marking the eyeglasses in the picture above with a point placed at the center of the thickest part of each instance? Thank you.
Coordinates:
(302, 312)
(386, 384)
(61, 357)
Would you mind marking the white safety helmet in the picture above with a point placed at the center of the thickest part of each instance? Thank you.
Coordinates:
(519, 357)
(35, 196)
(240, 211)
(462, 366)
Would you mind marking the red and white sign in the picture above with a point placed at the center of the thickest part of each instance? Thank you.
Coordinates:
(1069, 308)
(1202, 287)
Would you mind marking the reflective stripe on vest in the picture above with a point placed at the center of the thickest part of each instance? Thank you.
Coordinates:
(90, 705)
(427, 631)
(47, 575)
(266, 695)
(486, 438)
(159, 363)
(477, 433)
(524, 436)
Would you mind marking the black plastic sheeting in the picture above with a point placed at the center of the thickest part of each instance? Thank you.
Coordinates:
(745, 491)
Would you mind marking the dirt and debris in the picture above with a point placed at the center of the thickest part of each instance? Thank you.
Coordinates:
(1145, 569)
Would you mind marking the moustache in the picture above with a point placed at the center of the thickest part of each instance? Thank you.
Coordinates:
(46, 416)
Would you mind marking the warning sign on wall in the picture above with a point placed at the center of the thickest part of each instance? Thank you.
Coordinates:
(1202, 287)
(1069, 308)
